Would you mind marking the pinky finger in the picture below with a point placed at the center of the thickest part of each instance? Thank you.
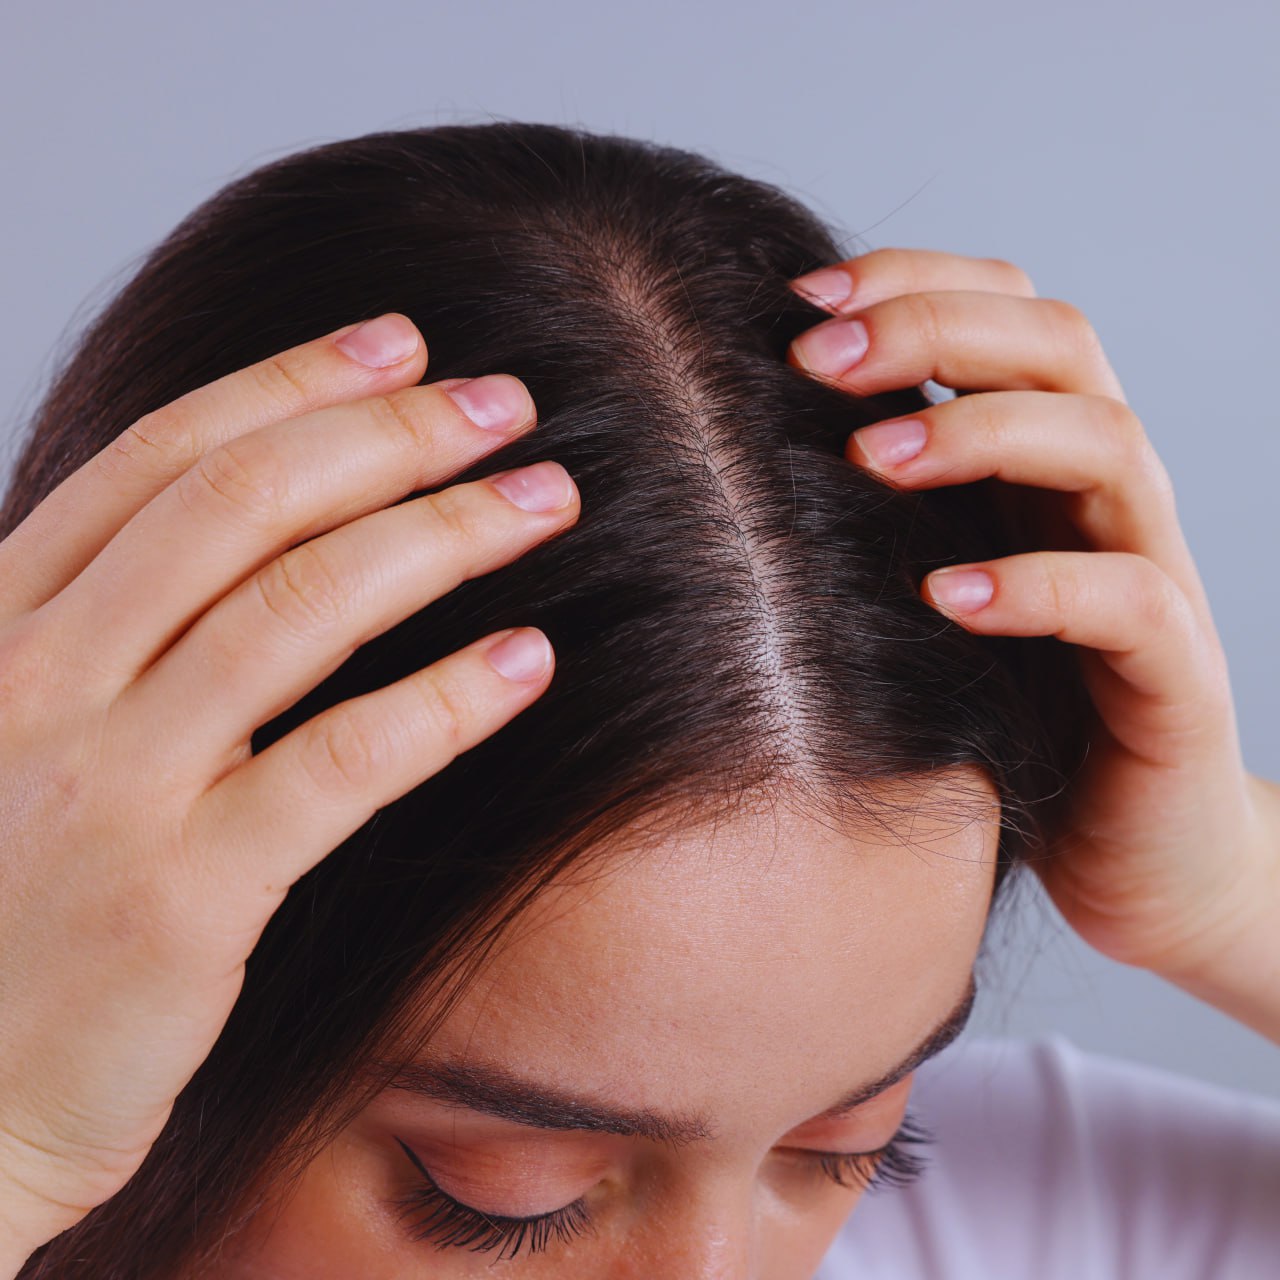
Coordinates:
(281, 812)
(1116, 602)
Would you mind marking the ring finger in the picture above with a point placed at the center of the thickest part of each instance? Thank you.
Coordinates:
(1093, 449)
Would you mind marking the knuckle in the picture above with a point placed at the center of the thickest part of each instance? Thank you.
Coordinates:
(282, 380)
(1052, 598)
(1156, 478)
(245, 474)
(444, 711)
(1155, 597)
(302, 590)
(1074, 326)
(346, 748)
(1063, 590)
(135, 451)
(151, 444)
(888, 262)
(450, 517)
(1019, 280)
(1124, 433)
(1137, 459)
(1118, 421)
(1065, 314)
(925, 316)
(401, 415)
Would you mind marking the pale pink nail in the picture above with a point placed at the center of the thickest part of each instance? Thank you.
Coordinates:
(889, 443)
(497, 402)
(544, 486)
(834, 346)
(523, 655)
(962, 590)
(382, 341)
(828, 287)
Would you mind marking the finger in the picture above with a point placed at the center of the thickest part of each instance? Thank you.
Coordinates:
(79, 517)
(282, 632)
(963, 339)
(1165, 673)
(887, 273)
(252, 497)
(277, 815)
(1092, 448)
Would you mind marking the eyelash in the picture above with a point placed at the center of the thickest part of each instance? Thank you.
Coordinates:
(447, 1222)
(893, 1165)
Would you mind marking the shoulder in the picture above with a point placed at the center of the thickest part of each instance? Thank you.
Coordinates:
(1051, 1161)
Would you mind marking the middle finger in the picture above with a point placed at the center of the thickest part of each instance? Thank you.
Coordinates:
(1091, 449)
(290, 626)
(255, 495)
(965, 339)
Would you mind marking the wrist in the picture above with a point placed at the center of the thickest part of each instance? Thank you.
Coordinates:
(1242, 978)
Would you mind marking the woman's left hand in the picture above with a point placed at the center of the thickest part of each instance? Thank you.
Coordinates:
(1171, 861)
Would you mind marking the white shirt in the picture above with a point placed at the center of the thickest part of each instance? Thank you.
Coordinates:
(1052, 1163)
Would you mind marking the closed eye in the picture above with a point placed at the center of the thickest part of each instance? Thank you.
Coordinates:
(431, 1214)
(897, 1164)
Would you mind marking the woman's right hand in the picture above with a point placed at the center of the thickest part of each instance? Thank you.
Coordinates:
(190, 582)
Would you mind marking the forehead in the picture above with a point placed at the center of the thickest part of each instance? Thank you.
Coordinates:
(704, 966)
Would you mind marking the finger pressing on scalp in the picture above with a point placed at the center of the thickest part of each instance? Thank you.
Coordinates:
(253, 497)
(1119, 495)
(283, 810)
(887, 273)
(78, 518)
(1091, 446)
(963, 339)
(1120, 604)
(281, 632)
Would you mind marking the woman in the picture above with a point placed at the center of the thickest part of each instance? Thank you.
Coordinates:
(345, 938)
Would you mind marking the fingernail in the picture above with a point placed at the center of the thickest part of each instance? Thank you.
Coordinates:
(497, 402)
(544, 486)
(889, 443)
(523, 655)
(382, 341)
(828, 287)
(963, 590)
(834, 346)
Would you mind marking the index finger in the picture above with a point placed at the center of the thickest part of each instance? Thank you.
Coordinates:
(878, 274)
(78, 518)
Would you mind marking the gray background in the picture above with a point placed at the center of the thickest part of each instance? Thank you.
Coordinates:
(1122, 153)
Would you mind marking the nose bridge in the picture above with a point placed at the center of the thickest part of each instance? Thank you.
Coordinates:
(726, 1252)
(710, 1233)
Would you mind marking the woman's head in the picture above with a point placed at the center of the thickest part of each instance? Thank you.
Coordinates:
(734, 862)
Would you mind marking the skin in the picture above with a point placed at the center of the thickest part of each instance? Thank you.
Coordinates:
(751, 975)
(141, 860)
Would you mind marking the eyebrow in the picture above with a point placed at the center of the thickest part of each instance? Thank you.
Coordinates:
(494, 1091)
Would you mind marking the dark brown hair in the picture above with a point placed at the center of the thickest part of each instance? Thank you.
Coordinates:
(737, 610)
